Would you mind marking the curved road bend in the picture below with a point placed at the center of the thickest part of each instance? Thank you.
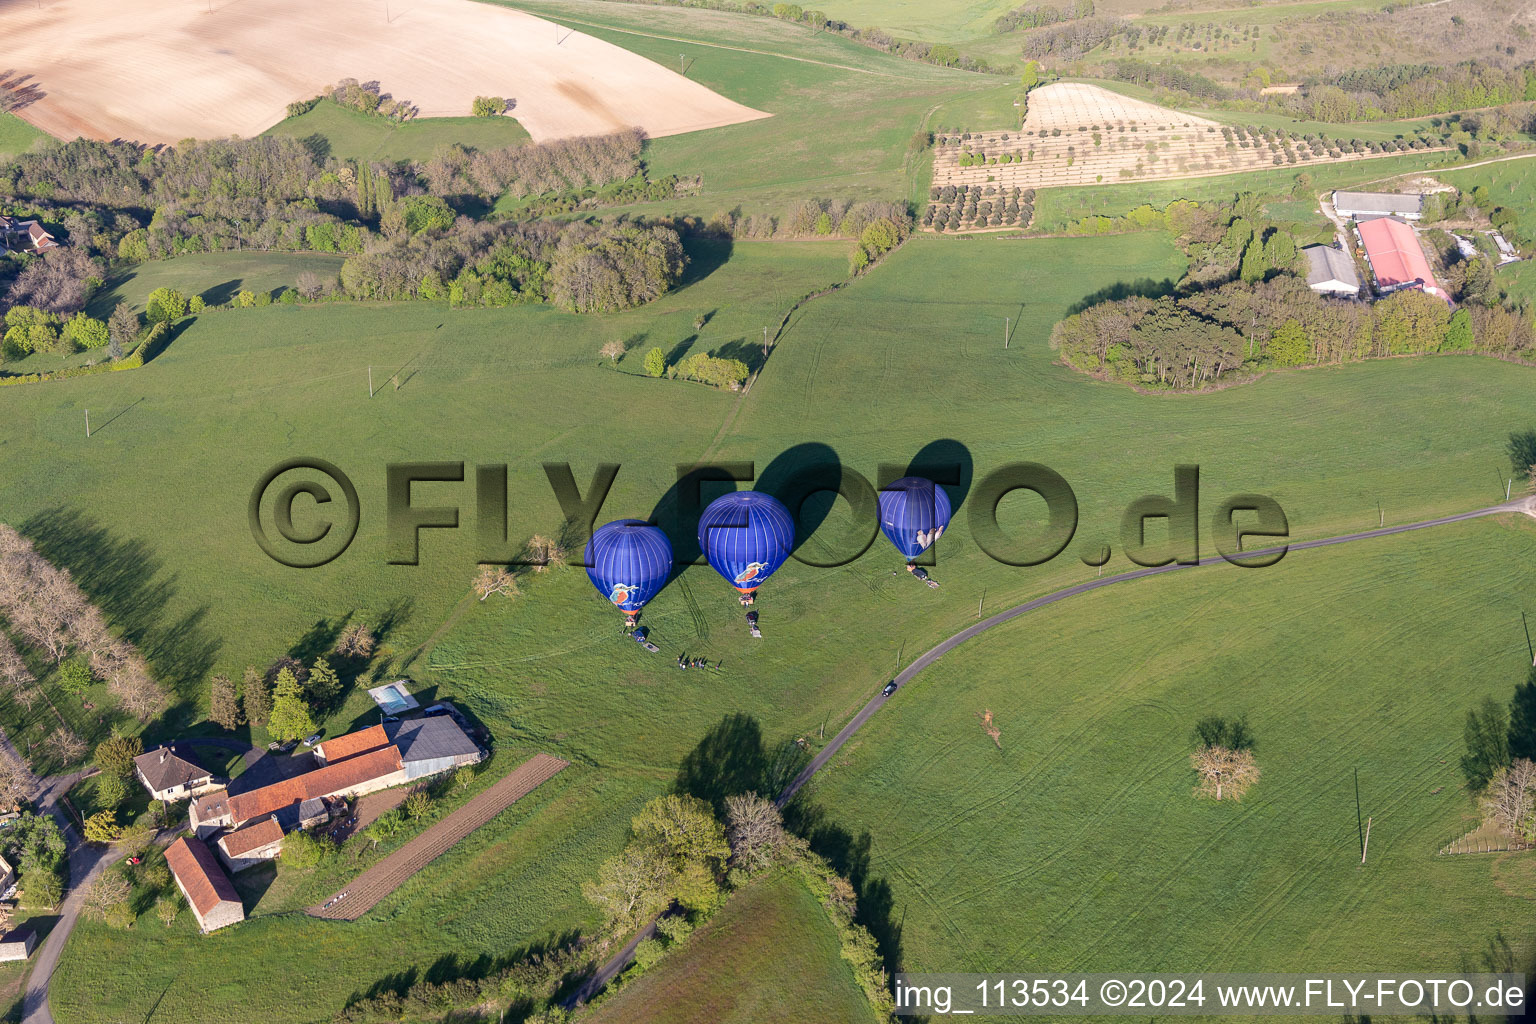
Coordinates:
(620, 960)
(1525, 505)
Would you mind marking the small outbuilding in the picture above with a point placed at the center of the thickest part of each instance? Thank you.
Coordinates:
(249, 846)
(1330, 271)
(18, 945)
(208, 890)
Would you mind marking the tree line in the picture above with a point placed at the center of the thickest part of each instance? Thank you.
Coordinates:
(363, 97)
(1041, 15)
(43, 606)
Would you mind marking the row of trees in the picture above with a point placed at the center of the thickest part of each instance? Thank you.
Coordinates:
(563, 165)
(681, 858)
(1391, 92)
(363, 97)
(1041, 15)
(47, 610)
(583, 267)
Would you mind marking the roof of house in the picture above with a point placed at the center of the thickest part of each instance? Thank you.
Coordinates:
(426, 739)
(253, 837)
(211, 805)
(1325, 263)
(198, 871)
(1396, 257)
(324, 781)
(353, 743)
(163, 768)
(1378, 202)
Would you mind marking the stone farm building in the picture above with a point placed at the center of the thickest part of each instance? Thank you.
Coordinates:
(171, 776)
(1331, 271)
(208, 890)
(1409, 206)
(348, 766)
(249, 846)
(1397, 259)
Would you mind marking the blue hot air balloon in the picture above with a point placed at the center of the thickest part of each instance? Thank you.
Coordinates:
(913, 514)
(746, 535)
(628, 561)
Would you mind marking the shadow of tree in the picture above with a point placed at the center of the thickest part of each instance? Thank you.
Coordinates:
(1145, 287)
(122, 577)
(730, 759)
(851, 856)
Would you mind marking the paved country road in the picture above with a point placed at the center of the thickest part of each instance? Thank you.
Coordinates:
(1526, 505)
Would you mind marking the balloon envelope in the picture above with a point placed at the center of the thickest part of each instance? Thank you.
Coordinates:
(628, 561)
(913, 514)
(746, 535)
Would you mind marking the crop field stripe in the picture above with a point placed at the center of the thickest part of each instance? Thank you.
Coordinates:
(383, 878)
(933, 654)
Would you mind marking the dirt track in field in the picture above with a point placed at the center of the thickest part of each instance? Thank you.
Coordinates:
(159, 71)
(367, 889)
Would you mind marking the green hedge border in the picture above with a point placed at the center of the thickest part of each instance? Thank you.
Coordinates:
(132, 361)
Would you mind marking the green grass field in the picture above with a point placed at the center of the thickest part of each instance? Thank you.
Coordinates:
(351, 135)
(16, 135)
(150, 515)
(768, 954)
(1078, 846)
(217, 277)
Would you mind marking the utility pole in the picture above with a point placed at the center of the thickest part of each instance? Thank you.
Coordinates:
(1528, 648)
(370, 382)
(680, 65)
(765, 343)
(1007, 323)
(1365, 845)
(1380, 515)
(87, 423)
(1358, 827)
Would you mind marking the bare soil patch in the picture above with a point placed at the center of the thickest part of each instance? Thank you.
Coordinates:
(158, 71)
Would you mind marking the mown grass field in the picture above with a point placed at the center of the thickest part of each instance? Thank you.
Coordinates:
(1055, 208)
(769, 954)
(350, 135)
(1077, 844)
(216, 276)
(151, 516)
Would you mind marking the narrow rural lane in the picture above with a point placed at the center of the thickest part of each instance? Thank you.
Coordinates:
(1526, 505)
(86, 861)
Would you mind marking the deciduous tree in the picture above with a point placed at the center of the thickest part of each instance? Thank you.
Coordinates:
(1224, 772)
(223, 704)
